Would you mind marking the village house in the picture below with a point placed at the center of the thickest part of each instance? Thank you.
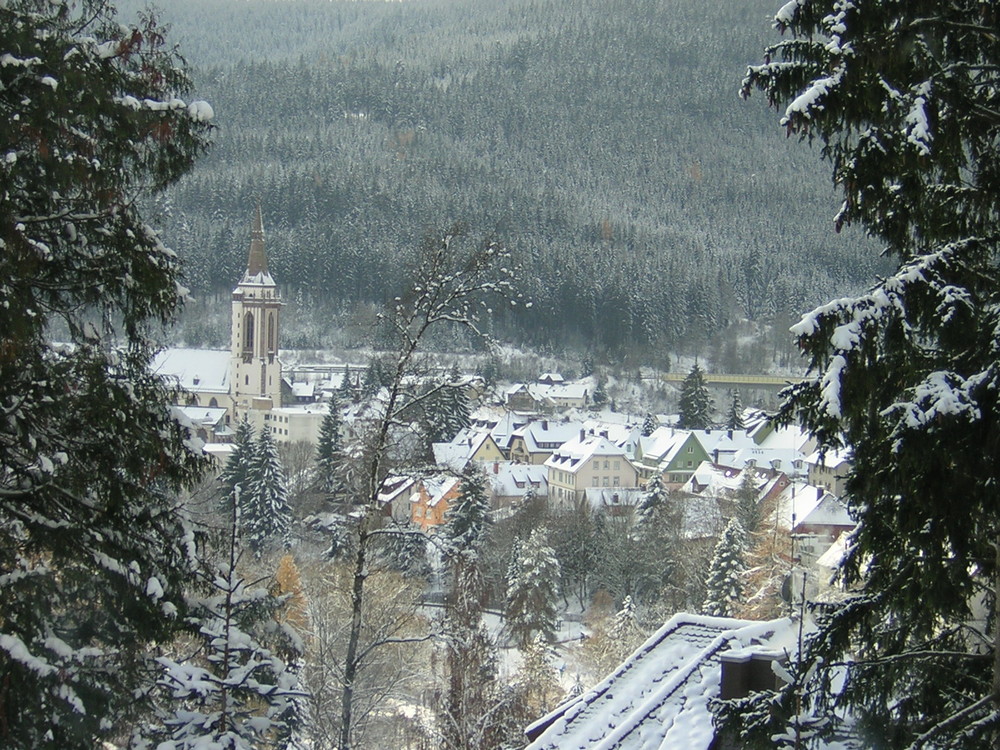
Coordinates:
(829, 470)
(468, 445)
(670, 452)
(536, 441)
(588, 461)
(509, 482)
(431, 499)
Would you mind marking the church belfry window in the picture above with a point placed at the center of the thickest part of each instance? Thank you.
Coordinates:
(248, 332)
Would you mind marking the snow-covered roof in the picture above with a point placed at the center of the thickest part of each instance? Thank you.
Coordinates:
(716, 480)
(658, 697)
(513, 480)
(393, 487)
(810, 505)
(459, 451)
(614, 497)
(662, 444)
(550, 394)
(304, 390)
(202, 415)
(195, 370)
(437, 487)
(546, 435)
(574, 454)
(831, 459)
(500, 422)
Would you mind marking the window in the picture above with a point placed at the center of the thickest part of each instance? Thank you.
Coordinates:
(248, 332)
(615, 481)
(595, 482)
(604, 482)
(690, 449)
(618, 465)
(606, 464)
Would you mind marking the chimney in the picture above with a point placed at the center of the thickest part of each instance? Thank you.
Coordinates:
(729, 434)
(583, 434)
(715, 456)
(545, 424)
(745, 673)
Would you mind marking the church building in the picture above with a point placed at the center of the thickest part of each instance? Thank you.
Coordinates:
(216, 388)
(255, 372)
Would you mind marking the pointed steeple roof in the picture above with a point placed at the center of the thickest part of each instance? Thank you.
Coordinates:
(257, 260)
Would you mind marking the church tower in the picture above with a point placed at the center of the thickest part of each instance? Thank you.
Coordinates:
(255, 370)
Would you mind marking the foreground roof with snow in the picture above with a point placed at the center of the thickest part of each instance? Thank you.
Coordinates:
(658, 698)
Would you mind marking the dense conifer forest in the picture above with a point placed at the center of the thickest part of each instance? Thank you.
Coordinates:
(603, 141)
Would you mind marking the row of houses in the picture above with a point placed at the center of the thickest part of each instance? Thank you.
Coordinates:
(608, 465)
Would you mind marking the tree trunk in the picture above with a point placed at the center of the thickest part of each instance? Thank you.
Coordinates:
(351, 657)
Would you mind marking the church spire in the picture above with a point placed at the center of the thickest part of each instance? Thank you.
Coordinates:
(257, 261)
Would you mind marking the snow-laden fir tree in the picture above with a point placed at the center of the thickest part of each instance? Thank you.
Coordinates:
(695, 402)
(347, 391)
(471, 654)
(330, 448)
(238, 687)
(903, 100)
(734, 417)
(654, 499)
(748, 509)
(468, 518)
(446, 410)
(649, 425)
(94, 548)
(265, 516)
(513, 562)
(236, 473)
(532, 596)
(724, 583)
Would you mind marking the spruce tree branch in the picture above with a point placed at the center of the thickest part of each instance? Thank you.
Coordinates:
(951, 721)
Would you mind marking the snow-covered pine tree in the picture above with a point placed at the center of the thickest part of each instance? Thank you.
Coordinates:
(330, 447)
(649, 425)
(748, 509)
(734, 417)
(903, 99)
(655, 498)
(446, 410)
(624, 626)
(240, 689)
(724, 582)
(94, 548)
(471, 652)
(600, 395)
(468, 518)
(265, 515)
(695, 402)
(239, 465)
(346, 389)
(513, 562)
(533, 594)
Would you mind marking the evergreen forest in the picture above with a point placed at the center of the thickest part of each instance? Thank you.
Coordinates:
(602, 141)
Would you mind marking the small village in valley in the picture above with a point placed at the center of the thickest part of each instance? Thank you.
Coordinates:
(589, 526)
